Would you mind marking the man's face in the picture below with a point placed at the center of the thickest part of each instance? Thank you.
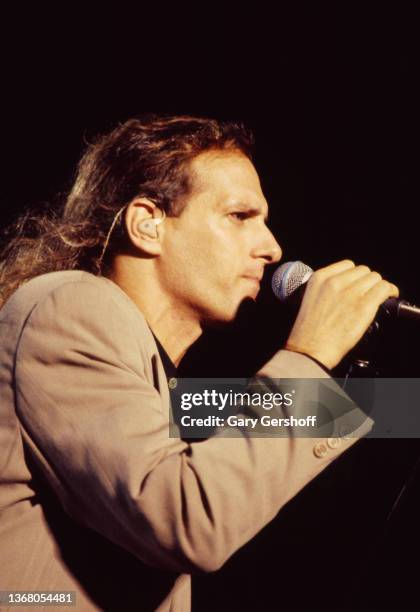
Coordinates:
(214, 253)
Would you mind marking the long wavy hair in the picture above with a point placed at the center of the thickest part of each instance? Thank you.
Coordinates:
(144, 157)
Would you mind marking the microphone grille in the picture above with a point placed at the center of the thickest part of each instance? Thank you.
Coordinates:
(288, 277)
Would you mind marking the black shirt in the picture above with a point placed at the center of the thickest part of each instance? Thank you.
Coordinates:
(168, 365)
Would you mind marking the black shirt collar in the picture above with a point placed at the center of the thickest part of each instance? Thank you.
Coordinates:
(168, 366)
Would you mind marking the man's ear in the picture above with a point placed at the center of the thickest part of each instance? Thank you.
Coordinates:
(142, 221)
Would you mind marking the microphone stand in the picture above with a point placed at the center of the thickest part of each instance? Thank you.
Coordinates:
(360, 363)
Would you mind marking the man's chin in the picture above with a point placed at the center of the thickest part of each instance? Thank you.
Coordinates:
(220, 320)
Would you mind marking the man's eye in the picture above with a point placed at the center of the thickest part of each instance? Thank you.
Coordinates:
(239, 216)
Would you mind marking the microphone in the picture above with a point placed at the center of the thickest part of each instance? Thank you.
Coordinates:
(289, 282)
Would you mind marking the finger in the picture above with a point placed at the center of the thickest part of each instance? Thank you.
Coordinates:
(380, 292)
(348, 277)
(364, 283)
(395, 291)
(335, 268)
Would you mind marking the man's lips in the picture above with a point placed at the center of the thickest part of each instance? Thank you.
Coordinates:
(255, 281)
(255, 277)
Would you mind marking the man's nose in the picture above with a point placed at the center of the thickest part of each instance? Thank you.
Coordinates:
(269, 249)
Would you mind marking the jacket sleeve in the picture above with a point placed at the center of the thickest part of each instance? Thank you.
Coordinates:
(99, 432)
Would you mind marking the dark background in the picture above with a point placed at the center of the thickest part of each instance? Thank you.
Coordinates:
(332, 98)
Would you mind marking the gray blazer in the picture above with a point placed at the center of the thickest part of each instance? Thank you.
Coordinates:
(95, 497)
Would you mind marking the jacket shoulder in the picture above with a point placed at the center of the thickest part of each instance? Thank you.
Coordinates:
(72, 292)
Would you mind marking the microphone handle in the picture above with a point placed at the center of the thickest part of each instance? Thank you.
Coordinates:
(400, 309)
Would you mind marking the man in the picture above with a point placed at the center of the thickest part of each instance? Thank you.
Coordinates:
(164, 231)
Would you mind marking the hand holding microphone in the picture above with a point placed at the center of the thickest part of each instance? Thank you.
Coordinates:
(339, 303)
